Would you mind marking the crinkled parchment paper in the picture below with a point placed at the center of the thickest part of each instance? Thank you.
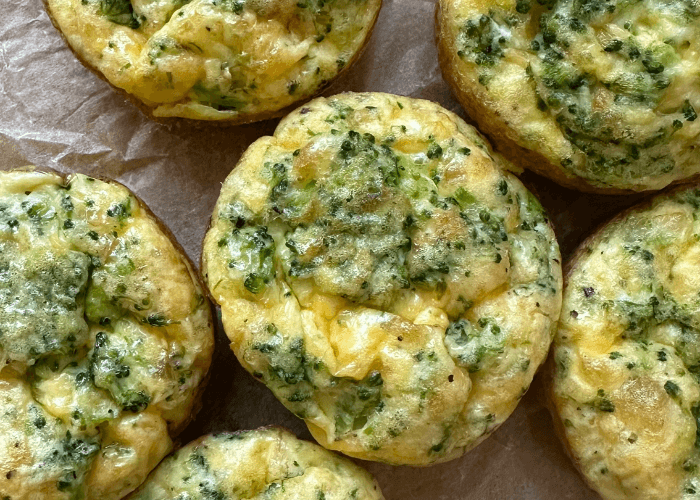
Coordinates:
(55, 113)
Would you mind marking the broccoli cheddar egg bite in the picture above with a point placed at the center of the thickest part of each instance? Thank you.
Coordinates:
(105, 338)
(626, 382)
(269, 464)
(383, 274)
(598, 95)
(236, 61)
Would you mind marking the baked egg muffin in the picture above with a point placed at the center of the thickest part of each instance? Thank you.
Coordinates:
(105, 338)
(222, 60)
(270, 464)
(385, 276)
(626, 358)
(599, 95)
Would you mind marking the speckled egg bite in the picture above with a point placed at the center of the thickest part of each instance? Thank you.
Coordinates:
(264, 464)
(233, 61)
(626, 360)
(599, 95)
(385, 276)
(105, 338)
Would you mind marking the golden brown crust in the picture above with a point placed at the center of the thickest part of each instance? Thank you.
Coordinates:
(228, 122)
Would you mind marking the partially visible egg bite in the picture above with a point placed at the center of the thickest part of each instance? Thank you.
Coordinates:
(264, 464)
(626, 357)
(105, 338)
(598, 95)
(387, 278)
(221, 60)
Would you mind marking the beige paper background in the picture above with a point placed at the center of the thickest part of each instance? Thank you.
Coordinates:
(55, 113)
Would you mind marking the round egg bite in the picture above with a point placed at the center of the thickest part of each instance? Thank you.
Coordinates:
(105, 338)
(600, 96)
(626, 358)
(268, 463)
(233, 61)
(385, 276)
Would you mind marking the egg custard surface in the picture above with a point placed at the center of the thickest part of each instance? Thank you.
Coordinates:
(232, 61)
(105, 338)
(626, 358)
(599, 95)
(264, 464)
(384, 275)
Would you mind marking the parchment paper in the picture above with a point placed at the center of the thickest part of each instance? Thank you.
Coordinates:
(55, 113)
